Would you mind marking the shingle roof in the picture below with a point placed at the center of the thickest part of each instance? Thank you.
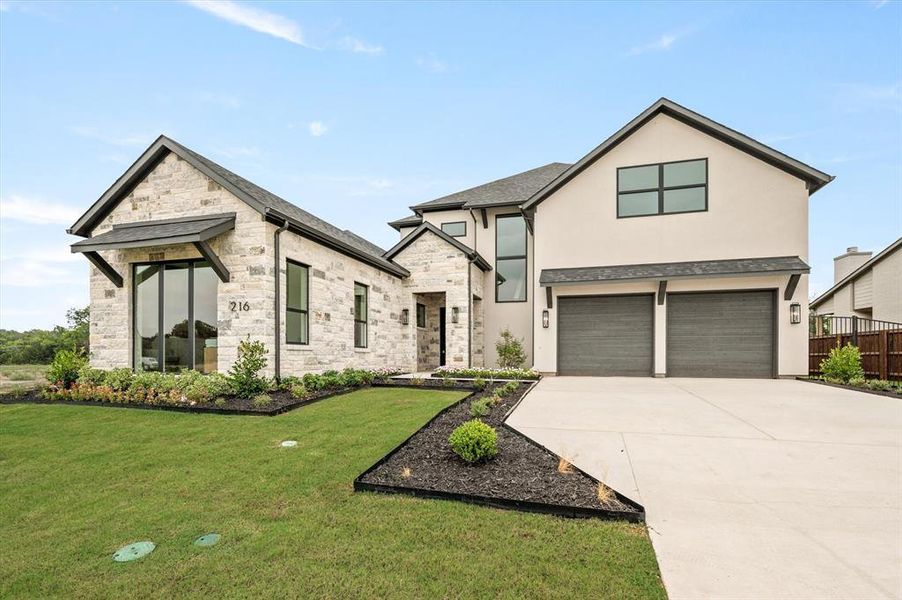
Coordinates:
(411, 221)
(857, 273)
(673, 270)
(158, 233)
(425, 227)
(262, 200)
(509, 190)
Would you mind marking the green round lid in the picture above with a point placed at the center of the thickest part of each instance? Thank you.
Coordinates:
(208, 539)
(133, 551)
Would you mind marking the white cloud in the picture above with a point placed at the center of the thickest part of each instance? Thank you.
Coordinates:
(878, 4)
(36, 273)
(663, 43)
(253, 18)
(432, 64)
(92, 133)
(317, 128)
(357, 46)
(36, 211)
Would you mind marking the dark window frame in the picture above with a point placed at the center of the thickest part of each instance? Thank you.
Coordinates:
(661, 188)
(464, 223)
(302, 311)
(524, 257)
(423, 307)
(161, 342)
(365, 320)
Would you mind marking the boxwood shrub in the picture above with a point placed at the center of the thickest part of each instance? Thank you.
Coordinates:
(474, 441)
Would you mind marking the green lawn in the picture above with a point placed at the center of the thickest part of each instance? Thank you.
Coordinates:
(76, 483)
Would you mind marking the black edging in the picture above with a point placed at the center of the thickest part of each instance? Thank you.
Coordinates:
(486, 378)
(573, 512)
(851, 388)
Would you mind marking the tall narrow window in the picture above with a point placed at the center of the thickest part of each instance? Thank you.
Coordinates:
(510, 258)
(421, 315)
(360, 315)
(296, 315)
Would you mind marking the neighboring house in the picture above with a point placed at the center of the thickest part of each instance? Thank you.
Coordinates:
(865, 285)
(677, 247)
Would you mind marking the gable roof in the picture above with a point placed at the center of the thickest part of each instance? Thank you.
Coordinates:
(856, 273)
(501, 192)
(474, 256)
(411, 221)
(271, 206)
(163, 232)
(813, 177)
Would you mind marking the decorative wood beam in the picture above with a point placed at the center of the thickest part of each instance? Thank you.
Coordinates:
(548, 297)
(207, 252)
(485, 218)
(791, 286)
(662, 291)
(104, 267)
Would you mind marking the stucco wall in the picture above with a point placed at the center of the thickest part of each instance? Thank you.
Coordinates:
(452, 216)
(754, 210)
(175, 189)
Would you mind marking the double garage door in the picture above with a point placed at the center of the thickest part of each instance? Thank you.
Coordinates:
(711, 334)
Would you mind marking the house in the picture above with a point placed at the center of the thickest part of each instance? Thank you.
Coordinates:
(865, 285)
(677, 247)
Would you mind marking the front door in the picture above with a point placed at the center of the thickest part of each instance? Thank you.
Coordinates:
(441, 336)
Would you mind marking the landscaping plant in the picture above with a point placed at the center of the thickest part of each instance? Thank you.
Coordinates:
(65, 368)
(245, 372)
(843, 365)
(474, 441)
(480, 407)
(486, 373)
(261, 401)
(511, 354)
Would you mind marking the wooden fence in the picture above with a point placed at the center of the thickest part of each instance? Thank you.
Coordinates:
(880, 343)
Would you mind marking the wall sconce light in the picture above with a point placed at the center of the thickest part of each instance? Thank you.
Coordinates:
(795, 313)
(405, 316)
(455, 314)
(544, 319)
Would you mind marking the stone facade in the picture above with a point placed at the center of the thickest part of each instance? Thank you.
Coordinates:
(428, 337)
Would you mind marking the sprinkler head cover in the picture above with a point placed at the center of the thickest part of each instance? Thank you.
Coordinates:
(133, 551)
(289, 443)
(208, 539)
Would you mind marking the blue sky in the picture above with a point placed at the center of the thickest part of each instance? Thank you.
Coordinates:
(356, 111)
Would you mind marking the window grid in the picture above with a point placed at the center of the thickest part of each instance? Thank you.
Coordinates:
(661, 188)
(513, 257)
(360, 315)
(302, 308)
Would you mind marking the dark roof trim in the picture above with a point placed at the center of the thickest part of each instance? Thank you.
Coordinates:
(411, 221)
(145, 234)
(303, 230)
(675, 270)
(471, 254)
(856, 273)
(815, 178)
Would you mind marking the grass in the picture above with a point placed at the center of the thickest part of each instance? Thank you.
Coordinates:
(79, 482)
(14, 377)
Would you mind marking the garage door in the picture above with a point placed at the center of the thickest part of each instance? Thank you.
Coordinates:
(606, 335)
(720, 334)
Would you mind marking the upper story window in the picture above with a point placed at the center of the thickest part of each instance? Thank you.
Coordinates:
(296, 316)
(455, 229)
(510, 258)
(360, 315)
(665, 188)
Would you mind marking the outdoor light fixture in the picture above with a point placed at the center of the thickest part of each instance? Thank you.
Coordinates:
(405, 316)
(455, 312)
(544, 319)
(795, 313)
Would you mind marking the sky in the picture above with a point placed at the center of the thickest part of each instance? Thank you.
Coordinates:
(355, 111)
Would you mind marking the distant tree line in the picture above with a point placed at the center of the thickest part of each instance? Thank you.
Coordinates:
(38, 346)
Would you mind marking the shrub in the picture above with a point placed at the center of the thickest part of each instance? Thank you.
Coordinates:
(507, 389)
(510, 351)
(416, 381)
(120, 379)
(245, 372)
(219, 402)
(487, 373)
(880, 385)
(298, 391)
(474, 441)
(204, 388)
(843, 364)
(261, 401)
(65, 367)
(479, 383)
(88, 375)
(480, 407)
(331, 380)
(448, 382)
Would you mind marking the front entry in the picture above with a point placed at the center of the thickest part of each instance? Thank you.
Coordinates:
(441, 336)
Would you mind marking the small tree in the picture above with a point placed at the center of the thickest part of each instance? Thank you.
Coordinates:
(245, 372)
(843, 364)
(510, 351)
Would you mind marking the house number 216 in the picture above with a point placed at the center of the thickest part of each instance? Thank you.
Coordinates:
(239, 306)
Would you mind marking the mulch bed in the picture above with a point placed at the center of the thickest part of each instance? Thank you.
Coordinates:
(523, 476)
(853, 388)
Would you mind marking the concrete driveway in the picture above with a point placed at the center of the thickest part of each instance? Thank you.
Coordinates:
(752, 488)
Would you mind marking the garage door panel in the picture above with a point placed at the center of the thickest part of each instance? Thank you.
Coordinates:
(606, 335)
(720, 334)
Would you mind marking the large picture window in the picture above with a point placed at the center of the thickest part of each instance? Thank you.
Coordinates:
(665, 188)
(175, 316)
(510, 258)
(297, 320)
(360, 315)
(455, 228)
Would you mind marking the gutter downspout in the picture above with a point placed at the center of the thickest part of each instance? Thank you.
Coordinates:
(470, 311)
(278, 299)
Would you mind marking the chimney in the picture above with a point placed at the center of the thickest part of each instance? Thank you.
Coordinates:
(848, 262)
